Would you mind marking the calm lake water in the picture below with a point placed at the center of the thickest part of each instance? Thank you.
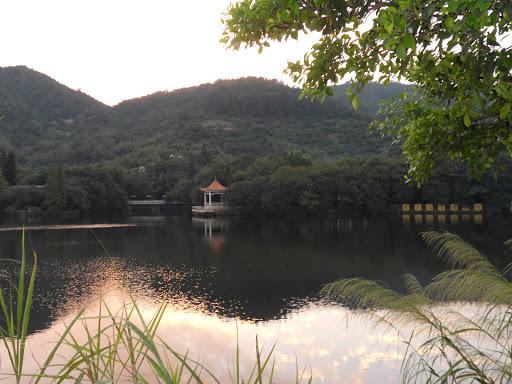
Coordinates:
(260, 275)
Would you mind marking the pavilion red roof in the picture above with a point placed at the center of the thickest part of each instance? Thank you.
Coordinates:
(215, 186)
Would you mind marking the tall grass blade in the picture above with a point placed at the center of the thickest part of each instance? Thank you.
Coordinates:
(16, 318)
(106, 357)
(258, 357)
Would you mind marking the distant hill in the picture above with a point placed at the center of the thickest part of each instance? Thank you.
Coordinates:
(40, 114)
(46, 123)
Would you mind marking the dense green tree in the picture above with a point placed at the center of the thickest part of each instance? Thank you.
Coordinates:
(296, 158)
(9, 168)
(3, 182)
(61, 183)
(56, 194)
(325, 189)
(217, 168)
(3, 156)
(77, 197)
(286, 188)
(204, 156)
(138, 184)
(370, 185)
(15, 198)
(97, 191)
(454, 50)
(35, 176)
(246, 194)
(185, 192)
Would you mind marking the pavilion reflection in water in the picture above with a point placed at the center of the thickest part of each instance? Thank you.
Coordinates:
(214, 231)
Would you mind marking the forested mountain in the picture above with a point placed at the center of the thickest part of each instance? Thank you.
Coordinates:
(47, 124)
(41, 115)
(275, 151)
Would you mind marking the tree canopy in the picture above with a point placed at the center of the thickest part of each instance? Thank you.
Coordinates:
(9, 168)
(457, 52)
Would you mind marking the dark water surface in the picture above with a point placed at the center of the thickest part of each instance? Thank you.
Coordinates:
(263, 274)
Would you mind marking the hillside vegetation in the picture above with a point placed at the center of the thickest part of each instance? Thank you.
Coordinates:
(275, 151)
(46, 123)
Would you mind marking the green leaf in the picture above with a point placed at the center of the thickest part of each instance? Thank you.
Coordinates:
(443, 35)
(328, 91)
(448, 23)
(453, 6)
(467, 120)
(408, 42)
(504, 111)
(428, 11)
(400, 51)
(355, 102)
(389, 27)
(485, 6)
(502, 90)
(478, 101)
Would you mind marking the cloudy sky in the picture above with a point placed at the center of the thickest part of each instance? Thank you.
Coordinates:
(115, 50)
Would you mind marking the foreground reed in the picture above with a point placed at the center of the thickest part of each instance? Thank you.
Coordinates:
(456, 329)
(13, 330)
(120, 346)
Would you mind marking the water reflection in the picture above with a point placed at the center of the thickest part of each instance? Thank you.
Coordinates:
(264, 273)
(441, 219)
(61, 227)
(214, 231)
(324, 340)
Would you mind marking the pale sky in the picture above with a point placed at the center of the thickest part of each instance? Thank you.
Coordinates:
(115, 50)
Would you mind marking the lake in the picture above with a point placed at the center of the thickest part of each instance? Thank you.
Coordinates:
(258, 275)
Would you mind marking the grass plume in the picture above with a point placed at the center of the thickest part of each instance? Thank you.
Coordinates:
(446, 342)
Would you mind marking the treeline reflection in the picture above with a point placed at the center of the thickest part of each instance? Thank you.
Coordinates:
(255, 270)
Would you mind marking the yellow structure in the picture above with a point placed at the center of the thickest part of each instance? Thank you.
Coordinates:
(442, 213)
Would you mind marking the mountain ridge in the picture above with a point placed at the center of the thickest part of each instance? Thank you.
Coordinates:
(47, 123)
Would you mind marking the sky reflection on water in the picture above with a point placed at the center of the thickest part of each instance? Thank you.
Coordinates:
(322, 339)
(61, 227)
(262, 276)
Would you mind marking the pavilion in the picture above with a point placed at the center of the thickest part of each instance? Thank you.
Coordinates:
(214, 195)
